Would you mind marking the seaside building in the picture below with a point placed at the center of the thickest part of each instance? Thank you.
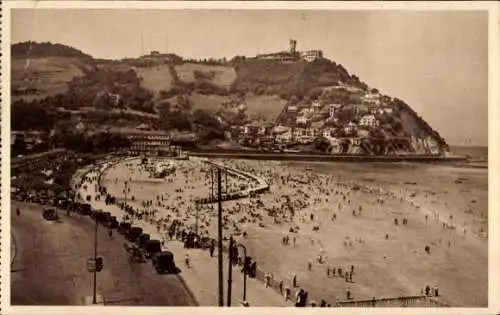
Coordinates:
(152, 143)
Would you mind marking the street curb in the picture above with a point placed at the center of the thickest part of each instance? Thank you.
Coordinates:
(188, 289)
(13, 250)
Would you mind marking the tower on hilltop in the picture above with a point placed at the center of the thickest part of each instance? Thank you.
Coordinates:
(293, 46)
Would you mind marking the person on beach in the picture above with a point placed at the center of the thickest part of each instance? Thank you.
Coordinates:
(212, 248)
(288, 293)
(267, 279)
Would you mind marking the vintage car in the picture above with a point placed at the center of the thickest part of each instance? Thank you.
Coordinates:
(151, 248)
(124, 228)
(50, 214)
(134, 233)
(163, 262)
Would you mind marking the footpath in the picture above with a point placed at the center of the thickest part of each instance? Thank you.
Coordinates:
(202, 276)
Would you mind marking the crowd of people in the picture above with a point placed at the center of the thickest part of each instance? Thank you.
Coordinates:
(291, 202)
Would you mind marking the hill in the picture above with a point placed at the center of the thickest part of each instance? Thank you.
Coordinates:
(324, 107)
(43, 50)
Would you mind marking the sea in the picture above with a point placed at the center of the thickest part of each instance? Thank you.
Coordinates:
(474, 153)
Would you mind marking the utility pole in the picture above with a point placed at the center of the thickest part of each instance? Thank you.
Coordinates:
(221, 274)
(230, 271)
(94, 295)
(197, 207)
(244, 271)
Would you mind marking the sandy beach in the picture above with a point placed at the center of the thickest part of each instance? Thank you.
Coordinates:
(338, 215)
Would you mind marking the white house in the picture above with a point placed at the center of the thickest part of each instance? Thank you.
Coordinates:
(328, 132)
(299, 132)
(80, 127)
(369, 121)
(311, 55)
(387, 110)
(316, 104)
(292, 109)
(350, 128)
(302, 120)
(306, 111)
(284, 137)
(363, 133)
(372, 99)
(333, 108)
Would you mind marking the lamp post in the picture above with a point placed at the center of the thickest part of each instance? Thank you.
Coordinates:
(219, 229)
(244, 272)
(94, 294)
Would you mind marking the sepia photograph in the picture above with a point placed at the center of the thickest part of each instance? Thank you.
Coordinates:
(221, 156)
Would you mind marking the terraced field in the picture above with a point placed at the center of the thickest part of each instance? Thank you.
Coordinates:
(224, 76)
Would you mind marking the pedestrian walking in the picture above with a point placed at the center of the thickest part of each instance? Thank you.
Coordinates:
(348, 293)
(268, 279)
(281, 287)
(18, 212)
(294, 281)
(186, 260)
(212, 248)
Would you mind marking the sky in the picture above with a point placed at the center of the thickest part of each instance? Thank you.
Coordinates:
(436, 61)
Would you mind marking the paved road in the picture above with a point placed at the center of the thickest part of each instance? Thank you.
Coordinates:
(50, 266)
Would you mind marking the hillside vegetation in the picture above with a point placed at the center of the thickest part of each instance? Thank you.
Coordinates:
(155, 79)
(208, 98)
(36, 78)
(222, 76)
(290, 79)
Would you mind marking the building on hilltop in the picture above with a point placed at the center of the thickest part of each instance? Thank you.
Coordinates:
(311, 55)
(292, 55)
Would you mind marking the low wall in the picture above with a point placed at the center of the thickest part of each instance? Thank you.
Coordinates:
(263, 185)
(406, 301)
(326, 157)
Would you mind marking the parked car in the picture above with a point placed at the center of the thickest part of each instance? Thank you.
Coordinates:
(50, 214)
(112, 222)
(152, 247)
(134, 233)
(163, 262)
(123, 228)
(141, 241)
(84, 209)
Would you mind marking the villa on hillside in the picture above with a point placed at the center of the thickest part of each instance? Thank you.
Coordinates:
(302, 120)
(350, 128)
(371, 99)
(316, 104)
(369, 121)
(333, 108)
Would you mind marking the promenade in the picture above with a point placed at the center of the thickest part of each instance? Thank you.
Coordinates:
(202, 276)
